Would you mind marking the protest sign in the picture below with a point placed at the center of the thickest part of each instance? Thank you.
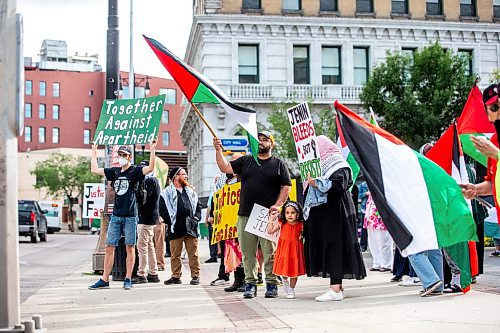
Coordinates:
(257, 223)
(93, 200)
(129, 121)
(226, 205)
(304, 137)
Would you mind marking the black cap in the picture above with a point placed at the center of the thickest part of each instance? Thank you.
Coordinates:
(490, 94)
(174, 171)
(125, 149)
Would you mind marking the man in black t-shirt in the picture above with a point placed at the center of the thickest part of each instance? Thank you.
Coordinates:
(124, 181)
(268, 184)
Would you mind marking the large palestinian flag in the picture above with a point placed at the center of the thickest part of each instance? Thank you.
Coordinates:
(422, 207)
(474, 121)
(199, 89)
(447, 153)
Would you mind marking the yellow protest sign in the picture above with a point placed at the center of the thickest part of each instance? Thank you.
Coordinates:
(226, 205)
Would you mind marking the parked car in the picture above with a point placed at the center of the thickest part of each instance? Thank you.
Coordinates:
(32, 220)
(53, 215)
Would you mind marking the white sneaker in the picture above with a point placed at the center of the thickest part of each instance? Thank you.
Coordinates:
(410, 281)
(218, 282)
(290, 294)
(330, 295)
(286, 285)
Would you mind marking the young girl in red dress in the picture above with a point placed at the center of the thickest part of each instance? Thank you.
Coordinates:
(289, 256)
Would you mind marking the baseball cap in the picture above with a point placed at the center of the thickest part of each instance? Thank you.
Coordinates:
(267, 134)
(490, 94)
(125, 149)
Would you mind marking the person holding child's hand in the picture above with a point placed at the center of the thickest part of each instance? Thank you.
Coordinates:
(289, 258)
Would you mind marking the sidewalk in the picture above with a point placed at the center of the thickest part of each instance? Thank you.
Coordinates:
(371, 305)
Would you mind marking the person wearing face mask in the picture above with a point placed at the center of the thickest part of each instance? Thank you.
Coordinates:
(124, 219)
(181, 211)
(148, 219)
(490, 149)
(267, 183)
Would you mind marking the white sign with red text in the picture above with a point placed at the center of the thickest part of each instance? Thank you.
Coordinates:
(93, 200)
(304, 137)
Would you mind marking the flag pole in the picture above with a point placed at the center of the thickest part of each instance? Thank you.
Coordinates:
(203, 119)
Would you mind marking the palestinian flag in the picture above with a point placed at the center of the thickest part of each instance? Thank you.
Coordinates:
(473, 121)
(199, 89)
(346, 153)
(447, 153)
(422, 207)
(373, 119)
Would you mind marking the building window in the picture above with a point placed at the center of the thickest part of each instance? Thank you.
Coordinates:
(56, 86)
(27, 110)
(251, 4)
(364, 6)
(28, 87)
(400, 6)
(43, 88)
(467, 56)
(468, 8)
(55, 112)
(27, 134)
(166, 139)
(41, 134)
(292, 4)
(171, 95)
(434, 7)
(361, 69)
(496, 8)
(86, 114)
(165, 117)
(301, 64)
(41, 111)
(55, 135)
(328, 6)
(330, 65)
(248, 63)
(86, 136)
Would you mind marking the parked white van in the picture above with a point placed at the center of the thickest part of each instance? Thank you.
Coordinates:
(53, 215)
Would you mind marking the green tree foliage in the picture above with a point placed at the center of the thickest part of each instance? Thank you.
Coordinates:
(324, 124)
(495, 76)
(63, 175)
(417, 98)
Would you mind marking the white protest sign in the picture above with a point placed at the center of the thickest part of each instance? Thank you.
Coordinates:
(257, 223)
(304, 137)
(93, 200)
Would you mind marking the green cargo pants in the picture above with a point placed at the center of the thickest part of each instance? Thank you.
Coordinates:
(249, 243)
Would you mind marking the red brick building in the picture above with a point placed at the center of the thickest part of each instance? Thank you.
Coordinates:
(62, 109)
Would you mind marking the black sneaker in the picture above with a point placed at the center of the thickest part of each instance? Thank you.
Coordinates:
(140, 280)
(449, 289)
(173, 280)
(260, 282)
(234, 287)
(431, 288)
(153, 278)
(241, 289)
(271, 291)
(211, 260)
(250, 290)
(195, 281)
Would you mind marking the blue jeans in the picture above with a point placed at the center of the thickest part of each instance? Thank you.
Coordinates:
(119, 226)
(429, 267)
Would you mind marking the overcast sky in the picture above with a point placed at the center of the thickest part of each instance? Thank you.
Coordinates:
(83, 24)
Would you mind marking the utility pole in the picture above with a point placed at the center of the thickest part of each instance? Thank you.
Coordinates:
(11, 95)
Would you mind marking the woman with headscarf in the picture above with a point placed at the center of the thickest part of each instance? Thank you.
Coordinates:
(331, 245)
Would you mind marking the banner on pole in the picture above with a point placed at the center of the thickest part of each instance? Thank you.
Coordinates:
(93, 200)
(257, 223)
(304, 137)
(129, 121)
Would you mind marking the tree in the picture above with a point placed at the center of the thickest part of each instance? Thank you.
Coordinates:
(63, 175)
(324, 123)
(417, 98)
(495, 76)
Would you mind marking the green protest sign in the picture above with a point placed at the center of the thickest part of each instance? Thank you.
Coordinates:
(129, 121)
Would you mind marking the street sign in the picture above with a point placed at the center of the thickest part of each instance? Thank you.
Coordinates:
(235, 143)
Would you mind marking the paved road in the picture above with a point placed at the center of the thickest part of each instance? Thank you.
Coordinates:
(43, 263)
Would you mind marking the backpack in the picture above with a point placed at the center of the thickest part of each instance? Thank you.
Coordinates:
(141, 193)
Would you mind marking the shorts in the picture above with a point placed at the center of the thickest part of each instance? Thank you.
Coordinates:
(119, 226)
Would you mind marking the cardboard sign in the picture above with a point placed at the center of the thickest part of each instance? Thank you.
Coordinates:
(129, 121)
(93, 200)
(304, 137)
(257, 223)
(226, 205)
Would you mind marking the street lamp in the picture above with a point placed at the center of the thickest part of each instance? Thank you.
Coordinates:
(138, 82)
